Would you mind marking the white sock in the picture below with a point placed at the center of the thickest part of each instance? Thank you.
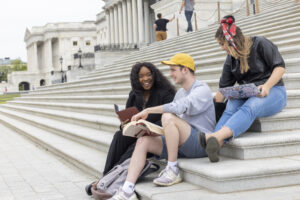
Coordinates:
(173, 166)
(128, 187)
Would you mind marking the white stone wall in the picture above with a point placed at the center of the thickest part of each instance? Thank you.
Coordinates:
(206, 14)
(102, 29)
(236, 4)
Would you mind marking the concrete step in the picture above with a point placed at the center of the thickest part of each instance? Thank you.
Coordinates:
(291, 82)
(285, 120)
(254, 145)
(202, 46)
(88, 159)
(92, 138)
(206, 60)
(98, 122)
(103, 99)
(191, 192)
(271, 29)
(96, 109)
(228, 175)
(248, 146)
(108, 109)
(199, 38)
(246, 23)
(200, 60)
(73, 91)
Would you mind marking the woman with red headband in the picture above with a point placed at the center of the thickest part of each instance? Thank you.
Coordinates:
(249, 60)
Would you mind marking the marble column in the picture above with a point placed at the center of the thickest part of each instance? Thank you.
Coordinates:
(35, 58)
(120, 24)
(125, 24)
(107, 15)
(129, 19)
(147, 21)
(140, 22)
(116, 25)
(134, 22)
(112, 28)
(48, 56)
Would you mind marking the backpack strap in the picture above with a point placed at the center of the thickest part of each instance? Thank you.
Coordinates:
(149, 168)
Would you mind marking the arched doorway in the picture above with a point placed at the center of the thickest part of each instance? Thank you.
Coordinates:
(42, 82)
(24, 86)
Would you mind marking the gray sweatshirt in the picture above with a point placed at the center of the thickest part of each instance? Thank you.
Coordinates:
(194, 106)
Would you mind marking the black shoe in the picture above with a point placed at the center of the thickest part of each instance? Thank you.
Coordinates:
(88, 189)
(212, 149)
(202, 139)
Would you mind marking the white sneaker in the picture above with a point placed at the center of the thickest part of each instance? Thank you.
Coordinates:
(167, 177)
(121, 195)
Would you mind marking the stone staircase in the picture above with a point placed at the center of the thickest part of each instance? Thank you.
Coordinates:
(76, 121)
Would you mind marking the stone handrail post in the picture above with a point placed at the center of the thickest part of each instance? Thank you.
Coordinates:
(247, 8)
(219, 12)
(177, 21)
(257, 7)
(196, 26)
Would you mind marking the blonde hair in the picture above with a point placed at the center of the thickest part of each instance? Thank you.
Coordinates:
(243, 45)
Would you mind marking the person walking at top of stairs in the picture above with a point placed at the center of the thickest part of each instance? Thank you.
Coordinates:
(188, 12)
(249, 60)
(160, 27)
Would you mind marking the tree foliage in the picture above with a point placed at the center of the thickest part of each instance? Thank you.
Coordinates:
(16, 65)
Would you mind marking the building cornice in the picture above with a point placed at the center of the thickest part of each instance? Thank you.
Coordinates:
(100, 17)
(111, 3)
(39, 33)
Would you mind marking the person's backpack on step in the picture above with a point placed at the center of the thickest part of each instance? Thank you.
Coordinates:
(109, 184)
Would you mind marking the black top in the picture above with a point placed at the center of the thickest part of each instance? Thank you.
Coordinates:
(264, 58)
(161, 24)
(157, 97)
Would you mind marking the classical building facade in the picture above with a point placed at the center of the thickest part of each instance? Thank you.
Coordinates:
(121, 27)
(52, 53)
(127, 24)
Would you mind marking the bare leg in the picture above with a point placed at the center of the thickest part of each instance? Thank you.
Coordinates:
(221, 134)
(176, 133)
(143, 146)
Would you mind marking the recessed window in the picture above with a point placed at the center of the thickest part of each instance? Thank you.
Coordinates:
(88, 43)
(75, 43)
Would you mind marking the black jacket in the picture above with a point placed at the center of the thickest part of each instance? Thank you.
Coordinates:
(157, 97)
(264, 58)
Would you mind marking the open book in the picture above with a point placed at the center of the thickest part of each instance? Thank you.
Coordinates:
(126, 114)
(240, 91)
(142, 127)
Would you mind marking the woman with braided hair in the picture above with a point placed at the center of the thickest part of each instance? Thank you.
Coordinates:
(249, 60)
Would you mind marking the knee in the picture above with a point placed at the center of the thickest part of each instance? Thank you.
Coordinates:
(167, 119)
(143, 143)
(250, 110)
(232, 106)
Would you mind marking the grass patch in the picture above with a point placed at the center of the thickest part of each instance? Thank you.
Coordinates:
(7, 97)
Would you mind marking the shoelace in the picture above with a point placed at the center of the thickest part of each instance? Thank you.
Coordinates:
(166, 172)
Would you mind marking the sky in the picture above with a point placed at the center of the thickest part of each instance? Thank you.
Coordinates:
(17, 15)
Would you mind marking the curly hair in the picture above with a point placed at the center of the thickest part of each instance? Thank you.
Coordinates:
(159, 80)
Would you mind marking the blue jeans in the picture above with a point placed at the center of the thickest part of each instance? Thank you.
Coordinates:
(188, 16)
(240, 113)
